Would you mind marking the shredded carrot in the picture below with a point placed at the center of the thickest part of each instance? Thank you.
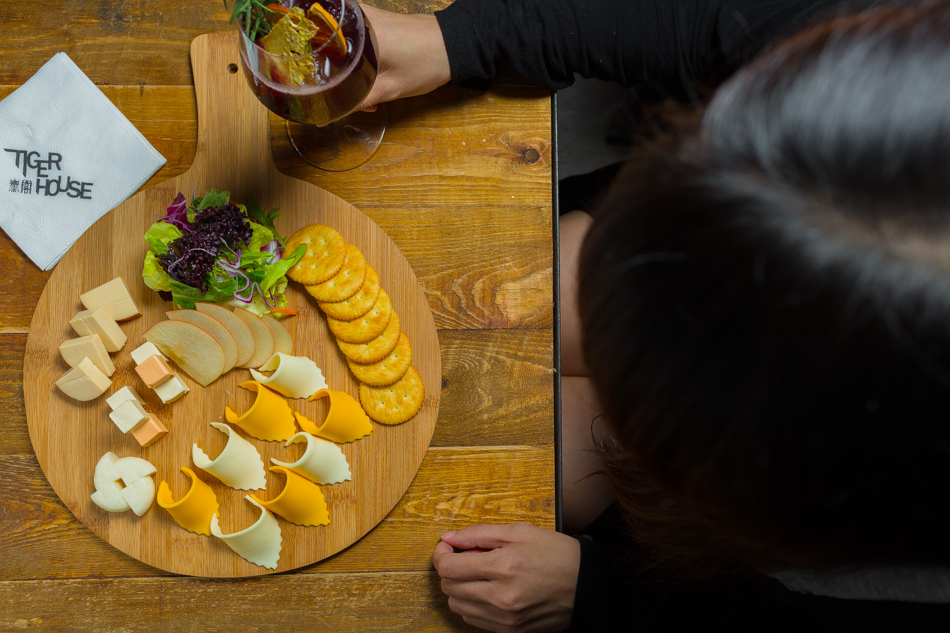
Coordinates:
(273, 6)
(284, 311)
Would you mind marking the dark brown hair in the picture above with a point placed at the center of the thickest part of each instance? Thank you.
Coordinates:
(766, 309)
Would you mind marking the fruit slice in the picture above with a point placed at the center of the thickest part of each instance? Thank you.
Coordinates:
(263, 339)
(326, 27)
(283, 341)
(239, 330)
(189, 347)
(215, 328)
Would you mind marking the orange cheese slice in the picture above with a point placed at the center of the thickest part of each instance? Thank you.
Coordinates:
(193, 511)
(301, 501)
(345, 422)
(269, 418)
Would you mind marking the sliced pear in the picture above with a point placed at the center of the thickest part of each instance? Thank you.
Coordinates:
(263, 338)
(189, 347)
(283, 341)
(215, 328)
(239, 330)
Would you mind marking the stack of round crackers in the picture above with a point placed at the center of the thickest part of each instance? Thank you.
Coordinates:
(362, 319)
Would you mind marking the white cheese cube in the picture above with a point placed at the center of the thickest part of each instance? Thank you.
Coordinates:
(84, 382)
(123, 394)
(100, 322)
(143, 352)
(74, 350)
(115, 297)
(129, 416)
(172, 389)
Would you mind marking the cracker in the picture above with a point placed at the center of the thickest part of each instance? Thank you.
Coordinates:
(357, 305)
(326, 252)
(367, 327)
(375, 350)
(395, 403)
(346, 282)
(388, 370)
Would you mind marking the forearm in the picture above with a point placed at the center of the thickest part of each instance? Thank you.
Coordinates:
(661, 41)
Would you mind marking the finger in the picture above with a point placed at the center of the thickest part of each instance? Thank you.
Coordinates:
(462, 566)
(483, 536)
(469, 590)
(480, 615)
(441, 549)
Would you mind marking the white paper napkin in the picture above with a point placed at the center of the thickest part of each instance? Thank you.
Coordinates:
(68, 157)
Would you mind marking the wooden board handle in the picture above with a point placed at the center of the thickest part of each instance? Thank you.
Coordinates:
(229, 113)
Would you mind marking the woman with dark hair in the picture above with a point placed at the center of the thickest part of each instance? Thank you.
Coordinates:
(764, 314)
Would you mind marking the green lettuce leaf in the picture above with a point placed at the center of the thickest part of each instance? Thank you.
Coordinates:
(160, 234)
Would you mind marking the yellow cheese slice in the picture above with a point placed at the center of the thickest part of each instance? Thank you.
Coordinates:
(322, 462)
(269, 418)
(301, 501)
(294, 376)
(259, 543)
(193, 511)
(239, 465)
(345, 422)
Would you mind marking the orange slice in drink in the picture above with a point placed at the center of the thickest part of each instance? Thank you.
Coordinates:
(326, 28)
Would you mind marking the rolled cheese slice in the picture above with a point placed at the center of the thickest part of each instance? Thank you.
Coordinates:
(301, 501)
(294, 376)
(194, 510)
(239, 465)
(322, 462)
(269, 418)
(259, 543)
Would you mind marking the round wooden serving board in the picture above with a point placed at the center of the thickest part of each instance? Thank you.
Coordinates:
(69, 437)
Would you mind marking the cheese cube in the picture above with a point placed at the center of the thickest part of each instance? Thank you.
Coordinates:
(115, 297)
(84, 382)
(100, 322)
(91, 347)
(172, 390)
(129, 416)
(150, 432)
(154, 371)
(142, 352)
(123, 394)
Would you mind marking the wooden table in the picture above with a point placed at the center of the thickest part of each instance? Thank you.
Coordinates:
(463, 184)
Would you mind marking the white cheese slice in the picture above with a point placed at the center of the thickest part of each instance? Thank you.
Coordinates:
(259, 544)
(144, 351)
(123, 483)
(91, 347)
(84, 382)
(114, 296)
(172, 389)
(322, 462)
(139, 494)
(131, 469)
(129, 416)
(239, 465)
(123, 394)
(293, 377)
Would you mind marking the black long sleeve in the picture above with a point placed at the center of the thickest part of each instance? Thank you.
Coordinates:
(628, 41)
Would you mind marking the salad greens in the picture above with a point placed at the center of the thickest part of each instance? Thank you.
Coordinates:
(211, 250)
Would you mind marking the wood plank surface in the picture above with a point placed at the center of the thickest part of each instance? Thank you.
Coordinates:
(462, 184)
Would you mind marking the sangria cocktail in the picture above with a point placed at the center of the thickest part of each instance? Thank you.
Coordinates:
(312, 62)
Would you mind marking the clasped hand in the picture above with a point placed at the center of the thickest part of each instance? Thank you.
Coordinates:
(509, 578)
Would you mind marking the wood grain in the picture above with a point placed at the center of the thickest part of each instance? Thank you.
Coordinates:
(409, 602)
(454, 487)
(69, 437)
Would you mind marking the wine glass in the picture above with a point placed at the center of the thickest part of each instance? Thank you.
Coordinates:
(317, 91)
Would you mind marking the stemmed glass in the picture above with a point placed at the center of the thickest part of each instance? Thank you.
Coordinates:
(317, 91)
